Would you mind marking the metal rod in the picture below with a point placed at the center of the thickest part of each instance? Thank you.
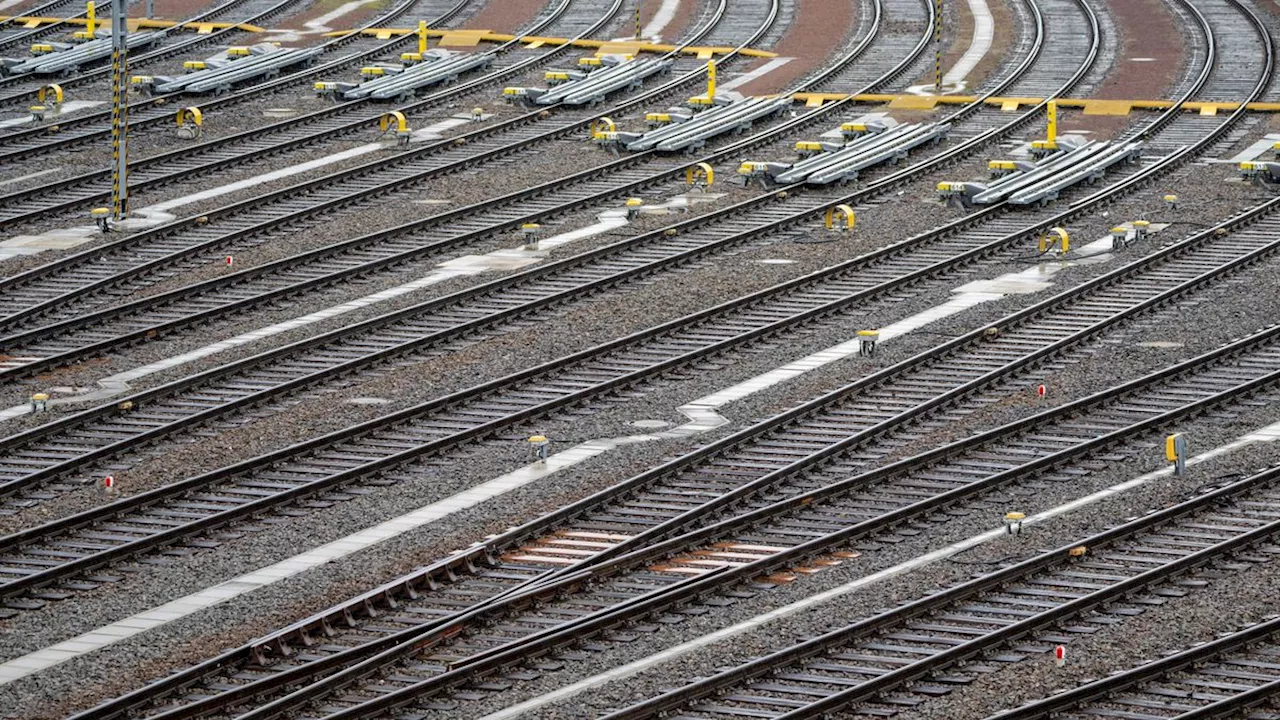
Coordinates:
(119, 110)
(638, 18)
(937, 47)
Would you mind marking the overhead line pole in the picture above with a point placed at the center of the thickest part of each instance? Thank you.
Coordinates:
(119, 110)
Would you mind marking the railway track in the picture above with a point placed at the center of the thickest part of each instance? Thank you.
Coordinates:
(77, 280)
(479, 622)
(20, 88)
(10, 40)
(238, 149)
(1223, 677)
(83, 128)
(144, 400)
(82, 336)
(871, 664)
(685, 245)
(678, 496)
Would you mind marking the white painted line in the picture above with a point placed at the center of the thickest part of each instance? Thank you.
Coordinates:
(703, 414)
(67, 107)
(159, 213)
(182, 607)
(660, 20)
(1267, 434)
(498, 260)
(984, 27)
(761, 71)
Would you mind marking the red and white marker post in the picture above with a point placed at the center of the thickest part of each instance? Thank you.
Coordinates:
(109, 483)
(1041, 390)
(230, 261)
(1060, 652)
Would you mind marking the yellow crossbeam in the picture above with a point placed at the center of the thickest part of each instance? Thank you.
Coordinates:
(203, 28)
(1012, 104)
(468, 38)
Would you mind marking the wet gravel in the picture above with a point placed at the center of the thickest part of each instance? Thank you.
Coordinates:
(1192, 327)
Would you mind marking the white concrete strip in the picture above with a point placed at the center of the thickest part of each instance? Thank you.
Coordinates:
(1267, 434)
(499, 260)
(182, 607)
(1254, 151)
(703, 416)
(745, 78)
(984, 27)
(29, 176)
(69, 106)
(660, 20)
(160, 213)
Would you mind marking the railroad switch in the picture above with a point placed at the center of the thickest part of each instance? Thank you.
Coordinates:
(102, 218)
(530, 231)
(541, 447)
(1013, 522)
(760, 171)
(867, 340)
(39, 402)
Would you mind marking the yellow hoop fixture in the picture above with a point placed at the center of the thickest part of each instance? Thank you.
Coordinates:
(190, 115)
(846, 212)
(394, 117)
(701, 170)
(603, 125)
(50, 95)
(1055, 237)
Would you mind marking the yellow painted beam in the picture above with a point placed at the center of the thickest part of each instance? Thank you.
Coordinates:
(134, 23)
(474, 37)
(1090, 106)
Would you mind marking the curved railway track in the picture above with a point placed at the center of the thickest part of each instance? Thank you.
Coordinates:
(683, 494)
(242, 148)
(379, 704)
(867, 663)
(87, 127)
(19, 38)
(80, 278)
(166, 51)
(929, 263)
(553, 279)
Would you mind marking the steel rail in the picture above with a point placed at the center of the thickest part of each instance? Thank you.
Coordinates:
(139, 118)
(758, 202)
(148, 172)
(579, 578)
(89, 264)
(6, 440)
(433, 307)
(687, 591)
(542, 200)
(142, 58)
(1200, 279)
(1029, 626)
(1189, 660)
